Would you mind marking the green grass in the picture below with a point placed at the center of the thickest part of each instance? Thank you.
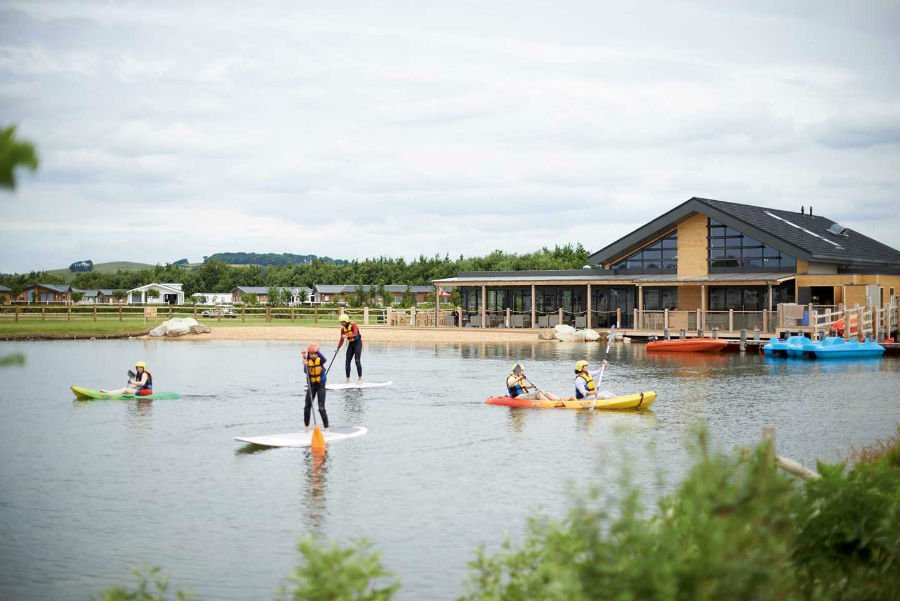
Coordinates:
(34, 326)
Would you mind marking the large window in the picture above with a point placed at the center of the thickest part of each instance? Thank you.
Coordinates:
(748, 298)
(730, 250)
(659, 257)
(660, 298)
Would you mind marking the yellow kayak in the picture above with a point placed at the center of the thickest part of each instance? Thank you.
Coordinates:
(638, 400)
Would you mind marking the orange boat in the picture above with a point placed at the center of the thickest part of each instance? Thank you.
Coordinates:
(688, 345)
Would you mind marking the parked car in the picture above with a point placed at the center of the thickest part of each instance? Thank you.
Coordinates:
(219, 311)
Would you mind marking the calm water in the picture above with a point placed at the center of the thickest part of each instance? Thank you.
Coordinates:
(88, 489)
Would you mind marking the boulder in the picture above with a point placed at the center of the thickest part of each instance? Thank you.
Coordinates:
(178, 326)
(566, 333)
(546, 334)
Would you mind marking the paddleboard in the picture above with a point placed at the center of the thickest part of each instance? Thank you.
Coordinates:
(354, 385)
(304, 439)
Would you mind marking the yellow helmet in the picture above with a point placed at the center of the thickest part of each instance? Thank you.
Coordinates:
(581, 365)
(140, 364)
(344, 317)
(518, 368)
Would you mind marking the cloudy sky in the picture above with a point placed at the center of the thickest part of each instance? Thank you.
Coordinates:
(171, 130)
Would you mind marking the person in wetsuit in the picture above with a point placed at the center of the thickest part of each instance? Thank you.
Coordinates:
(350, 333)
(314, 368)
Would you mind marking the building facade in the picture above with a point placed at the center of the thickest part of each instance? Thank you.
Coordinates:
(704, 264)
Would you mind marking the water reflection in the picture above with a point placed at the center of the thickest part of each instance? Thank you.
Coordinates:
(315, 492)
(354, 410)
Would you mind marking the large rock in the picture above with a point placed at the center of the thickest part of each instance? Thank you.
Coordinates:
(565, 333)
(178, 326)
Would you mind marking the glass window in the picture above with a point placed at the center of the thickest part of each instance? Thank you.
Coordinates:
(648, 258)
(742, 253)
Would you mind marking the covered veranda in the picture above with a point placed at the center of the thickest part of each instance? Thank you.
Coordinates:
(641, 304)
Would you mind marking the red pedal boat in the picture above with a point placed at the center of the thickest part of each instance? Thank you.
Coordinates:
(688, 345)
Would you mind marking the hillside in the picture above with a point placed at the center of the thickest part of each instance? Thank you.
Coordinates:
(269, 259)
(111, 267)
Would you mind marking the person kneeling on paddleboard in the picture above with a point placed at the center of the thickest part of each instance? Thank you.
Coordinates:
(314, 368)
(585, 387)
(350, 333)
(518, 386)
(139, 384)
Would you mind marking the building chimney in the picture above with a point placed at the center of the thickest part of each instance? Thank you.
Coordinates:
(802, 210)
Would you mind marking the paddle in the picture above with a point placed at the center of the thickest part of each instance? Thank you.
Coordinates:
(318, 439)
(609, 339)
(533, 385)
(330, 363)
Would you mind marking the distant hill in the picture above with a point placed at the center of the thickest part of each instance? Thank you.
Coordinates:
(242, 258)
(111, 267)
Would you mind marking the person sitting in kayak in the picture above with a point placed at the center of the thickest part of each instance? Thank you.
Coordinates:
(518, 386)
(139, 384)
(585, 387)
(350, 333)
(314, 368)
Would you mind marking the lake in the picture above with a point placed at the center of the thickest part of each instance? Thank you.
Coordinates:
(88, 489)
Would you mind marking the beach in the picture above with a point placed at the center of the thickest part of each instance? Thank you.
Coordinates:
(369, 333)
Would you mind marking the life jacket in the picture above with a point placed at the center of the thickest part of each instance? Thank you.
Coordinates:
(149, 384)
(514, 386)
(348, 332)
(314, 368)
(588, 384)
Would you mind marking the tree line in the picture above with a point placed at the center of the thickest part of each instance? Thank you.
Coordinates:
(217, 276)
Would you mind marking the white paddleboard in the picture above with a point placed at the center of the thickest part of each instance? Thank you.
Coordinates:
(304, 439)
(353, 385)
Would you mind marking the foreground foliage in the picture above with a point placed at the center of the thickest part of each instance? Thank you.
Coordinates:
(735, 529)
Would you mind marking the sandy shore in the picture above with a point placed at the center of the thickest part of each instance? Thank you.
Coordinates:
(369, 333)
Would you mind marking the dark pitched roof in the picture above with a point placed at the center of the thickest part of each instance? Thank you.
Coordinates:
(802, 236)
(350, 288)
(60, 288)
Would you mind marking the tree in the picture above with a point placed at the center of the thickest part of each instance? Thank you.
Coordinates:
(303, 295)
(360, 297)
(152, 293)
(277, 296)
(77, 296)
(250, 299)
(81, 266)
(119, 295)
(13, 154)
(409, 299)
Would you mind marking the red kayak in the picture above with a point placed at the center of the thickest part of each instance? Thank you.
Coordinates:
(688, 345)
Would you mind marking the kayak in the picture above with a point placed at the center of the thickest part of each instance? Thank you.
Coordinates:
(690, 345)
(638, 400)
(86, 394)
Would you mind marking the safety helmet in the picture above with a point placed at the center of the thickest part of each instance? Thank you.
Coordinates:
(140, 364)
(581, 365)
(312, 348)
(344, 317)
(518, 368)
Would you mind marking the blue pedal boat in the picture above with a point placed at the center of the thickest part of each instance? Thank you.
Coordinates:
(838, 348)
(794, 346)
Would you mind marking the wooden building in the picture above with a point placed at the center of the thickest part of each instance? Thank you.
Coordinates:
(704, 264)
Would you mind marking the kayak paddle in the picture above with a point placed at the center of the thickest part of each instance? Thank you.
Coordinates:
(609, 339)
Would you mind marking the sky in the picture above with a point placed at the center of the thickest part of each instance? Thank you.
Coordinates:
(170, 130)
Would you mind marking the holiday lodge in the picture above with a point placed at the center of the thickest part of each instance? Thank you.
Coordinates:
(704, 264)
